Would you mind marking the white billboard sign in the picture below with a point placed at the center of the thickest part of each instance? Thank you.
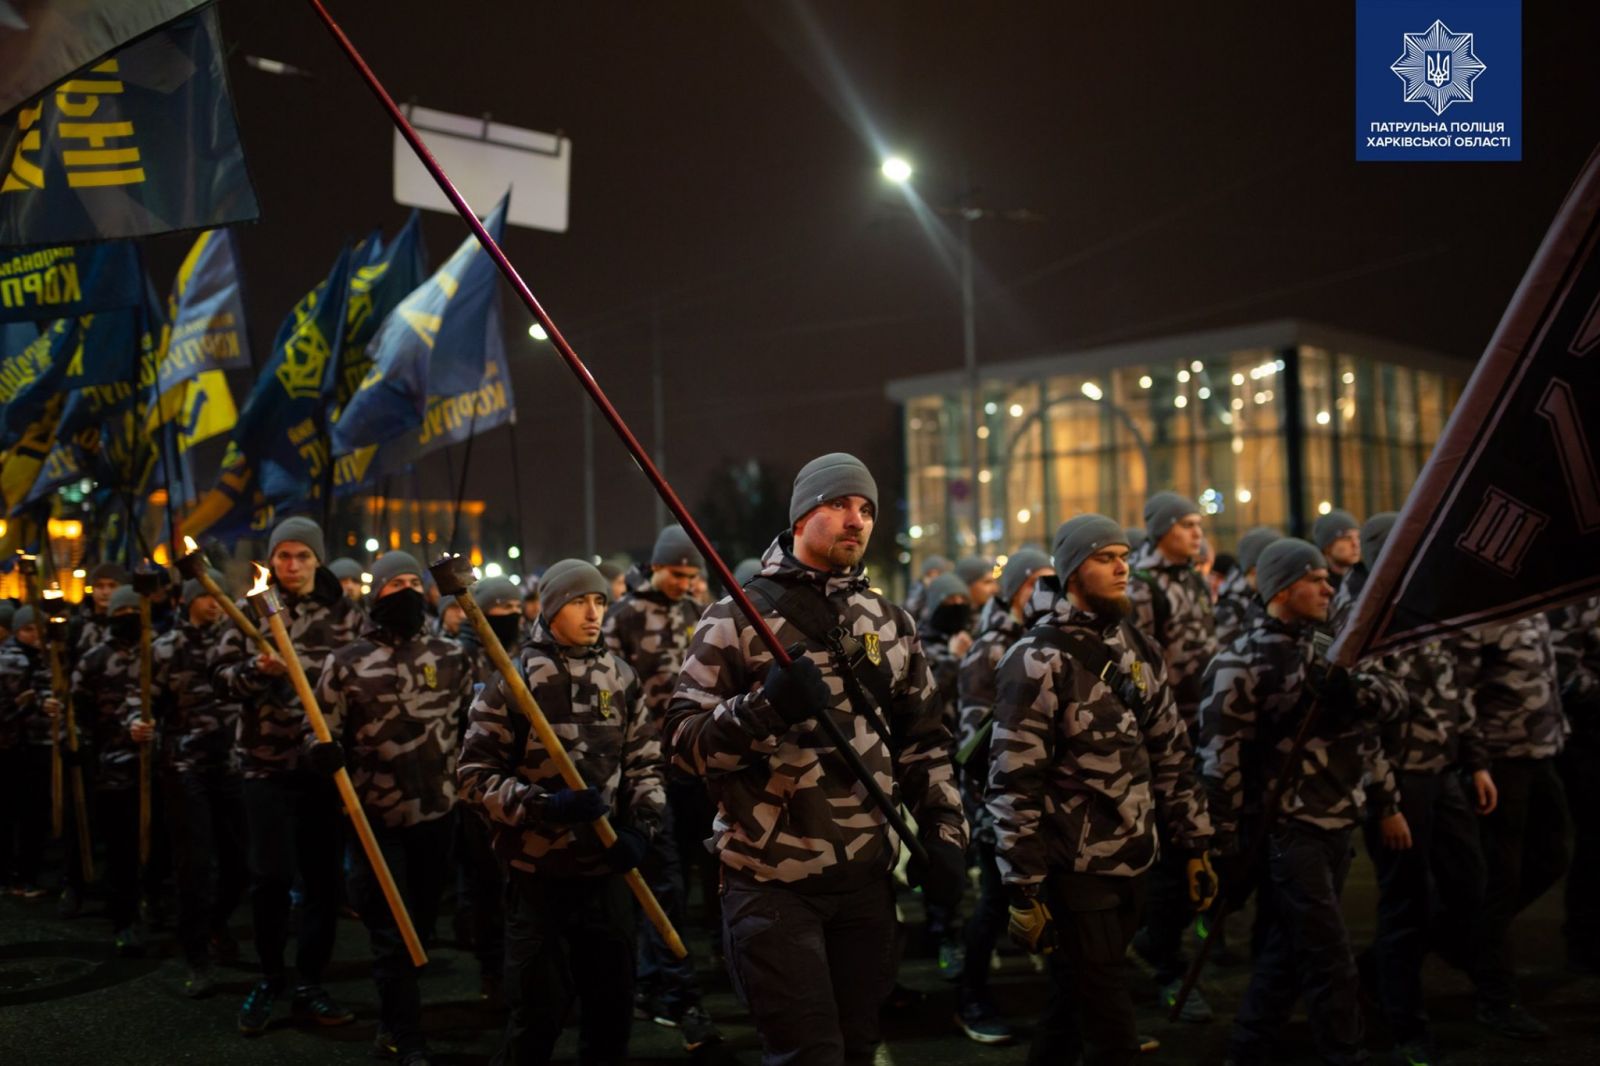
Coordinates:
(484, 157)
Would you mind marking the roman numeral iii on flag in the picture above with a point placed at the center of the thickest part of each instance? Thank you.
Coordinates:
(1504, 520)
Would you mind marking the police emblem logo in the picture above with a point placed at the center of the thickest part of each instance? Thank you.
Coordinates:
(1438, 67)
(605, 703)
(869, 642)
(430, 675)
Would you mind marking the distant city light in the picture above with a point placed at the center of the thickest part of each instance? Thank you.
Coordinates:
(896, 169)
(1091, 390)
(983, 432)
(1180, 401)
(1238, 379)
(1237, 444)
(1183, 375)
(990, 408)
(1348, 378)
(492, 570)
(1226, 418)
(1243, 495)
(1204, 392)
(1016, 410)
(372, 544)
(984, 476)
(1024, 516)
(1145, 382)
(1323, 418)
(1237, 403)
(513, 553)
(1197, 366)
(537, 332)
(1324, 507)
(915, 531)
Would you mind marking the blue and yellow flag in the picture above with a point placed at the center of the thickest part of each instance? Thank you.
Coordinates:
(435, 343)
(277, 456)
(73, 280)
(387, 274)
(32, 376)
(206, 338)
(142, 142)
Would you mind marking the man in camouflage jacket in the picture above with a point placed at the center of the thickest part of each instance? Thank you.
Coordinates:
(569, 916)
(28, 712)
(205, 805)
(649, 629)
(393, 700)
(807, 907)
(1172, 606)
(1236, 599)
(1258, 691)
(105, 694)
(1091, 778)
(1523, 727)
(1576, 629)
(1001, 624)
(292, 812)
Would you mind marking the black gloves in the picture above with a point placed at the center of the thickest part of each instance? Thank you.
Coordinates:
(796, 692)
(1339, 694)
(325, 758)
(944, 878)
(628, 852)
(572, 806)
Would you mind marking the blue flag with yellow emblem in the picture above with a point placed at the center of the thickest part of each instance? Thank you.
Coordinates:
(277, 456)
(73, 280)
(142, 142)
(207, 337)
(435, 343)
(387, 275)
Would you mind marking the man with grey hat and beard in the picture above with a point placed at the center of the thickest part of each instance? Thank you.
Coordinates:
(1259, 692)
(1337, 535)
(570, 920)
(1237, 599)
(1088, 756)
(394, 700)
(649, 629)
(1001, 624)
(807, 905)
(1172, 606)
(291, 809)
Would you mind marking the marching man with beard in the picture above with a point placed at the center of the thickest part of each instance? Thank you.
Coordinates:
(807, 901)
(1088, 756)
(393, 701)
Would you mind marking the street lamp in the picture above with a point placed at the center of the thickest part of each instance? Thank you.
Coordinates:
(896, 169)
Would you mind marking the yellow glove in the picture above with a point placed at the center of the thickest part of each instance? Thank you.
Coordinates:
(1031, 926)
(1202, 881)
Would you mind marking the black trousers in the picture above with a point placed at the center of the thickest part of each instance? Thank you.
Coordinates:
(117, 822)
(296, 827)
(662, 974)
(25, 812)
(480, 889)
(692, 815)
(812, 967)
(1168, 911)
(1304, 951)
(1525, 848)
(568, 938)
(1580, 776)
(205, 816)
(418, 857)
(1428, 896)
(1089, 1011)
(982, 930)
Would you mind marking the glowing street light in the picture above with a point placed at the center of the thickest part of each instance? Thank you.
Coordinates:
(537, 332)
(896, 169)
(1091, 390)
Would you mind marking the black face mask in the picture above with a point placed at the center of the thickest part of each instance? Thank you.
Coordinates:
(124, 628)
(949, 618)
(401, 612)
(507, 627)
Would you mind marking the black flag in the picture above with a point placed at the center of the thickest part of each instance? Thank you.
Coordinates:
(1504, 520)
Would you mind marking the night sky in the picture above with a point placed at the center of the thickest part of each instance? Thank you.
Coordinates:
(1193, 165)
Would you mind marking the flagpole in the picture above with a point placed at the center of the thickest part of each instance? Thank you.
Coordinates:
(780, 655)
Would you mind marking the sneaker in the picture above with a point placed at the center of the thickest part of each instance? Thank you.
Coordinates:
(130, 942)
(1510, 1020)
(30, 893)
(1413, 1053)
(1147, 1044)
(650, 1008)
(312, 1003)
(70, 905)
(697, 1028)
(952, 960)
(1195, 1009)
(200, 983)
(257, 1009)
(982, 1024)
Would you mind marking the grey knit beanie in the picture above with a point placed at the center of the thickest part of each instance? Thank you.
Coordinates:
(1018, 569)
(1165, 510)
(1080, 537)
(1374, 534)
(1253, 543)
(827, 477)
(346, 569)
(937, 562)
(674, 548)
(1331, 526)
(493, 591)
(22, 616)
(1283, 562)
(974, 568)
(301, 529)
(109, 571)
(193, 589)
(123, 597)
(565, 582)
(747, 569)
(940, 589)
(391, 565)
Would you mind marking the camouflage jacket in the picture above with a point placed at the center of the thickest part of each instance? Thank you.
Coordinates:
(651, 633)
(788, 809)
(1236, 602)
(946, 670)
(998, 629)
(198, 730)
(1182, 625)
(1077, 777)
(24, 686)
(272, 724)
(1519, 707)
(105, 695)
(395, 707)
(89, 631)
(1255, 696)
(1576, 629)
(595, 704)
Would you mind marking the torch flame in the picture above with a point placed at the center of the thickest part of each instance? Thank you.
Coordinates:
(262, 574)
(53, 593)
(189, 546)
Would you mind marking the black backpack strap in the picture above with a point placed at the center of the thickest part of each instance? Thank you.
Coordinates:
(866, 684)
(1090, 652)
(1160, 606)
